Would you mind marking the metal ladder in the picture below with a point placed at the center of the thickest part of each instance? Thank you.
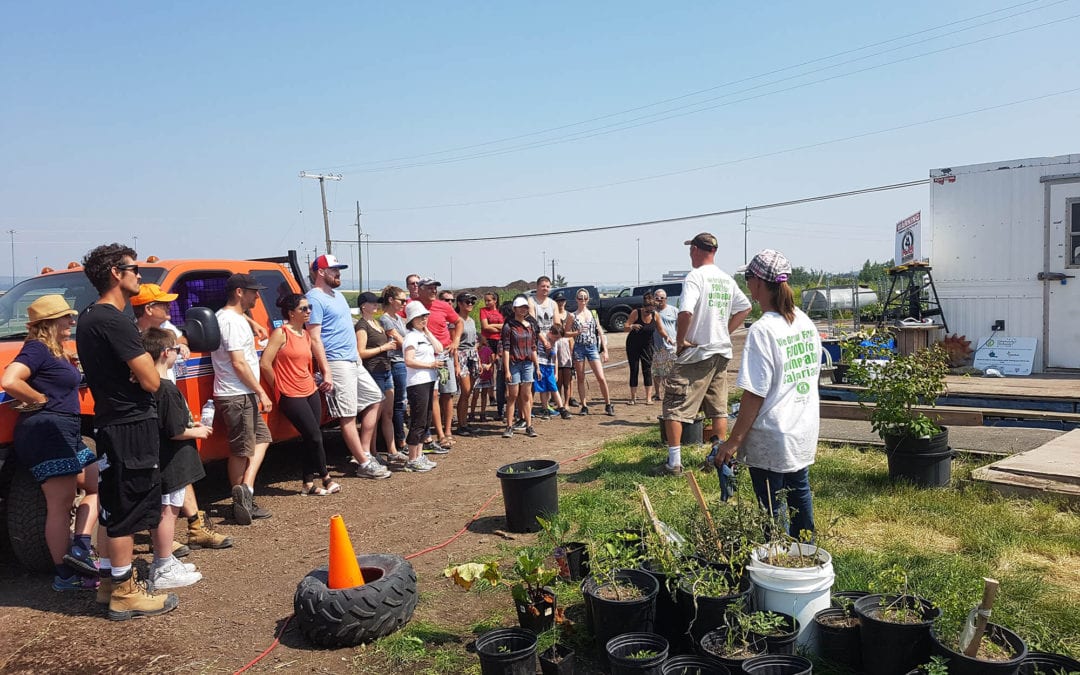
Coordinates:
(911, 295)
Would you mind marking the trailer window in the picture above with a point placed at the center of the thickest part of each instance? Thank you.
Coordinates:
(277, 287)
(1074, 234)
(198, 289)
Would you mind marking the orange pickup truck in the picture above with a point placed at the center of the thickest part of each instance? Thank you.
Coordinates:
(198, 283)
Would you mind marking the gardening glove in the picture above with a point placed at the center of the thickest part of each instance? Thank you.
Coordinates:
(723, 472)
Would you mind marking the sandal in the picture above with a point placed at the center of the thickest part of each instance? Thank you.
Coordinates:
(330, 487)
(447, 442)
(314, 491)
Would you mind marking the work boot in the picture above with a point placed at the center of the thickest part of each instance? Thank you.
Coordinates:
(132, 599)
(104, 589)
(180, 550)
(201, 534)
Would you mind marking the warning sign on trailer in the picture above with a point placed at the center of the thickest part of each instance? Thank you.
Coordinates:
(909, 239)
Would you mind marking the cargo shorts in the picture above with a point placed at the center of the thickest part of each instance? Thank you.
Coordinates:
(701, 385)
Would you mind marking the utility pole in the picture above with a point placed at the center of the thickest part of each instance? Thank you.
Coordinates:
(553, 270)
(368, 254)
(322, 190)
(12, 233)
(745, 233)
(638, 261)
(359, 245)
(451, 272)
(136, 246)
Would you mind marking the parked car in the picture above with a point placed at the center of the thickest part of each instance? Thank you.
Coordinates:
(614, 311)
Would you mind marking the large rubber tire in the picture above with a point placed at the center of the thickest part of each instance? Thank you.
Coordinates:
(26, 511)
(351, 616)
(617, 320)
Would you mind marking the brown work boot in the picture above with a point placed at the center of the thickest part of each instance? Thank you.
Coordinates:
(104, 589)
(201, 534)
(180, 550)
(132, 599)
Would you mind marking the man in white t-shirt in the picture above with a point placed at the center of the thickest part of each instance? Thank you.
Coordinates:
(238, 395)
(711, 306)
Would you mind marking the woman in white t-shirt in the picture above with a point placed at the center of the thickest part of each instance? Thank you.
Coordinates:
(776, 433)
(421, 371)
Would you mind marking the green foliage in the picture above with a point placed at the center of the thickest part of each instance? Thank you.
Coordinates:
(766, 623)
(643, 654)
(938, 665)
(898, 385)
(852, 347)
(530, 576)
(872, 271)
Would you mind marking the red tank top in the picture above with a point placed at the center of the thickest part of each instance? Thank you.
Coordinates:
(292, 366)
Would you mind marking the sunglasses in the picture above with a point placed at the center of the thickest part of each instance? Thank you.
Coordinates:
(412, 283)
(304, 308)
(174, 348)
(133, 268)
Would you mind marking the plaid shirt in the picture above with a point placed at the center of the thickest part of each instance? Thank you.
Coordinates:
(519, 339)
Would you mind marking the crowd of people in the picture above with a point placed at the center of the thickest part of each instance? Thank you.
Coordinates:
(391, 375)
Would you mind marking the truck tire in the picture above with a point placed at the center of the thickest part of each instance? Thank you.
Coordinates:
(617, 320)
(26, 510)
(350, 616)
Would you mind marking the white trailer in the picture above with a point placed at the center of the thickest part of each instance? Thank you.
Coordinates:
(1004, 244)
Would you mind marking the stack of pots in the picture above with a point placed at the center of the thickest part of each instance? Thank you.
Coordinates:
(926, 462)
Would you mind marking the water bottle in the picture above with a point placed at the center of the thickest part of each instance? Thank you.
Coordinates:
(207, 415)
(179, 368)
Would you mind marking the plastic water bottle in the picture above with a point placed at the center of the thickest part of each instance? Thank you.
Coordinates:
(180, 368)
(207, 415)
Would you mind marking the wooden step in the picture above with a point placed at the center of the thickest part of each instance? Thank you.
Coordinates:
(950, 414)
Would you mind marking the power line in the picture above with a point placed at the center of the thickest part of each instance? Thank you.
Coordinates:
(701, 91)
(730, 162)
(662, 221)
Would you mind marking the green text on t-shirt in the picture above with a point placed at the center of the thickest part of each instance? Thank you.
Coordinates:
(719, 295)
(799, 359)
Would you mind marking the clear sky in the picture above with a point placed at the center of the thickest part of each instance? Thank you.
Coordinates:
(186, 125)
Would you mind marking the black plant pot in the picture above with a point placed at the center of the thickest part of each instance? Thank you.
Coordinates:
(960, 664)
(925, 469)
(621, 648)
(711, 643)
(667, 612)
(838, 644)
(911, 445)
(572, 558)
(894, 648)
(1042, 663)
(840, 373)
(778, 664)
(783, 643)
(701, 614)
(543, 618)
(507, 651)
(608, 617)
(851, 596)
(557, 660)
(529, 489)
(688, 664)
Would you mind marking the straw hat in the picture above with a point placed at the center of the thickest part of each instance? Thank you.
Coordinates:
(47, 307)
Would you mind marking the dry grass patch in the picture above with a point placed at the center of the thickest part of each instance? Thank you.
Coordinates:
(1061, 568)
(885, 535)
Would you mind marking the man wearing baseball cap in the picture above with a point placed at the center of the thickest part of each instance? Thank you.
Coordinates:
(348, 387)
(710, 307)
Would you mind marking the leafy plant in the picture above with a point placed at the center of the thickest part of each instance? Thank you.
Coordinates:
(766, 623)
(868, 343)
(527, 587)
(938, 666)
(643, 654)
(900, 384)
(898, 602)
(617, 551)
(555, 529)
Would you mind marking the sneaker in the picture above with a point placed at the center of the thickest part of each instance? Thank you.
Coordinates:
(201, 534)
(544, 416)
(573, 403)
(584, 410)
(82, 560)
(372, 470)
(173, 574)
(258, 512)
(76, 582)
(241, 505)
(609, 410)
(433, 447)
(530, 432)
(463, 431)
(564, 413)
(428, 463)
(509, 433)
(396, 458)
(664, 470)
(418, 465)
(132, 598)
(519, 424)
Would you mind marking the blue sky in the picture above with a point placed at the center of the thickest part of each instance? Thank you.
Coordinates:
(187, 125)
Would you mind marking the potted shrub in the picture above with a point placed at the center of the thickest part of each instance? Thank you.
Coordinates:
(838, 636)
(534, 599)
(732, 642)
(558, 659)
(619, 598)
(918, 449)
(779, 630)
(632, 653)
(571, 557)
(1001, 651)
(894, 625)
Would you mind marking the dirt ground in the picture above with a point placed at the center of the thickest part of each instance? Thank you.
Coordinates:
(234, 613)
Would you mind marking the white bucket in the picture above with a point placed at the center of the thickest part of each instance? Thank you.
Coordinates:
(801, 592)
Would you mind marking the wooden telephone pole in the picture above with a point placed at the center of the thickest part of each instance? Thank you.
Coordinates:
(322, 178)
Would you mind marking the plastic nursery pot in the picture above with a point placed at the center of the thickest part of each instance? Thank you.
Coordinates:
(909, 444)
(714, 643)
(538, 617)
(799, 591)
(960, 664)
(838, 597)
(691, 433)
(925, 469)
(778, 664)
(837, 633)
(557, 660)
(610, 616)
(694, 665)
(783, 641)
(529, 489)
(667, 612)
(894, 648)
(507, 651)
(572, 559)
(1042, 663)
(637, 654)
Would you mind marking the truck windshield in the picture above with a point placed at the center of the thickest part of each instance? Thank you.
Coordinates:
(73, 285)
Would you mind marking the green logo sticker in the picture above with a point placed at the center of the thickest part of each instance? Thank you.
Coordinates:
(803, 388)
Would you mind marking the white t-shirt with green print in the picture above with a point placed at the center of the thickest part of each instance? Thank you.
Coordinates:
(712, 297)
(781, 364)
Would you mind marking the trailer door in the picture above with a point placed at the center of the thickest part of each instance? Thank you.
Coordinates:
(1061, 276)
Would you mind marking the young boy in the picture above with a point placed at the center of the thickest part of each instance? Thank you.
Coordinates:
(564, 363)
(180, 462)
(545, 383)
(484, 381)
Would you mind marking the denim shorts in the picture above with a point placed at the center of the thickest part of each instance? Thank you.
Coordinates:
(383, 378)
(521, 372)
(586, 352)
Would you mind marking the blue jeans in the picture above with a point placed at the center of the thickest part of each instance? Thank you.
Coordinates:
(800, 507)
(397, 369)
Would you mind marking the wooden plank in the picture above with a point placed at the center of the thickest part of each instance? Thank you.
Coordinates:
(949, 416)
(1057, 460)
(1036, 387)
(1024, 486)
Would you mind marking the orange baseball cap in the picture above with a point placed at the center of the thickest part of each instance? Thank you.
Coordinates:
(152, 293)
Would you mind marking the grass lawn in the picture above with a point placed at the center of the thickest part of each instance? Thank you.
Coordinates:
(946, 539)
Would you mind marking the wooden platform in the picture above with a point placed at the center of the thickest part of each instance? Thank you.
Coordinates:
(1050, 469)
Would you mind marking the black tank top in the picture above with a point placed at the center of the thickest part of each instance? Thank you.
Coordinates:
(642, 337)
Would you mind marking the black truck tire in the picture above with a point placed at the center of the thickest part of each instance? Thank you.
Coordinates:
(351, 616)
(617, 320)
(26, 511)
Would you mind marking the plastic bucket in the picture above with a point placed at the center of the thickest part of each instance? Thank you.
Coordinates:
(691, 433)
(507, 651)
(701, 614)
(839, 645)
(929, 469)
(688, 664)
(529, 489)
(778, 664)
(785, 642)
(667, 613)
(800, 592)
(621, 647)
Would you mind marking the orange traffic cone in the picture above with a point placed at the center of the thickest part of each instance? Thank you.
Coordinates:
(344, 569)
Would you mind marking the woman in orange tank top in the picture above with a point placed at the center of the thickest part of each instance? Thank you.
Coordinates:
(286, 366)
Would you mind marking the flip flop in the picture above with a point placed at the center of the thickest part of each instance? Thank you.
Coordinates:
(314, 491)
(331, 487)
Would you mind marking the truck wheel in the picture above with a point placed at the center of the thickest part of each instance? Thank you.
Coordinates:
(617, 321)
(349, 616)
(26, 510)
